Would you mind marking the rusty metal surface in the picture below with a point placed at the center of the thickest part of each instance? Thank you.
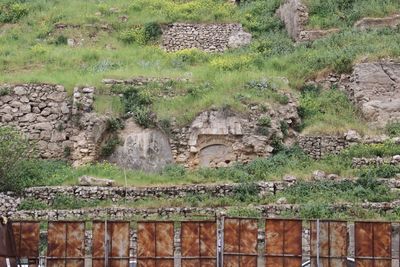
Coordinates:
(117, 244)
(283, 243)
(155, 244)
(26, 236)
(66, 244)
(199, 244)
(373, 244)
(240, 242)
(332, 243)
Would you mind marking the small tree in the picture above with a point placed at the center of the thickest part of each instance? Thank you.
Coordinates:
(15, 152)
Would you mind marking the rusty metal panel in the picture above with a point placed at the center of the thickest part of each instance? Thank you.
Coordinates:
(373, 244)
(26, 236)
(332, 243)
(155, 244)
(117, 243)
(283, 239)
(66, 244)
(240, 242)
(199, 243)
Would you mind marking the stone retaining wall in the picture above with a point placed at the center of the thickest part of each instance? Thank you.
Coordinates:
(364, 162)
(118, 213)
(319, 146)
(207, 37)
(61, 126)
(47, 194)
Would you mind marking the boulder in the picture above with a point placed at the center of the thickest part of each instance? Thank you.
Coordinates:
(239, 39)
(352, 136)
(142, 149)
(94, 181)
(375, 88)
(319, 175)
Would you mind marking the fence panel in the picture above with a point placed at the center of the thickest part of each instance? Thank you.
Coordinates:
(26, 235)
(240, 242)
(373, 244)
(155, 244)
(283, 240)
(199, 244)
(111, 243)
(328, 243)
(66, 244)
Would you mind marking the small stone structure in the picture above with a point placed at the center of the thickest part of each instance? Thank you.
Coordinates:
(221, 137)
(372, 23)
(295, 16)
(206, 37)
(142, 81)
(61, 126)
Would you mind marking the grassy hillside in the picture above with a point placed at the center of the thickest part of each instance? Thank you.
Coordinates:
(33, 49)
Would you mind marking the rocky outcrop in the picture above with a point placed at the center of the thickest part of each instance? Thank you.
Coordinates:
(375, 88)
(143, 149)
(295, 16)
(373, 23)
(221, 137)
(94, 181)
(61, 126)
(206, 37)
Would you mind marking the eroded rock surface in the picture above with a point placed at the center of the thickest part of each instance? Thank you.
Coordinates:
(375, 88)
(142, 149)
(371, 23)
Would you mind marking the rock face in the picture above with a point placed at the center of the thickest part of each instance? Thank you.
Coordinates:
(295, 16)
(143, 149)
(60, 126)
(370, 23)
(221, 137)
(375, 88)
(206, 37)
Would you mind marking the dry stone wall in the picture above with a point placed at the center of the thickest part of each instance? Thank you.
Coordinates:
(207, 37)
(60, 126)
(371, 23)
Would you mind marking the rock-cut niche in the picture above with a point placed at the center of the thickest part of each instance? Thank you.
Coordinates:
(216, 155)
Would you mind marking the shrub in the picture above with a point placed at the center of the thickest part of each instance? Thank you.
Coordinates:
(247, 191)
(5, 91)
(15, 152)
(137, 102)
(393, 129)
(230, 63)
(114, 124)
(144, 117)
(12, 12)
(109, 146)
(61, 40)
(152, 31)
(263, 125)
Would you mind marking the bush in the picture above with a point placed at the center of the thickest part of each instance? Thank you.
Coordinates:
(15, 152)
(230, 63)
(114, 124)
(246, 191)
(137, 103)
(393, 129)
(61, 40)
(109, 146)
(12, 12)
(152, 31)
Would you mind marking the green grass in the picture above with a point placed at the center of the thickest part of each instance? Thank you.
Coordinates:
(344, 13)
(30, 52)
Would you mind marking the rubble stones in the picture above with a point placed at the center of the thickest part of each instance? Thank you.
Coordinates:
(371, 23)
(94, 181)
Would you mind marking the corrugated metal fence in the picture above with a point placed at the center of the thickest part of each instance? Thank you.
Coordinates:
(224, 242)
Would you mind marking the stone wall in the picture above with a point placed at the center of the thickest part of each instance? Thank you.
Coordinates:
(207, 37)
(371, 23)
(61, 126)
(319, 146)
(378, 161)
(47, 194)
(294, 15)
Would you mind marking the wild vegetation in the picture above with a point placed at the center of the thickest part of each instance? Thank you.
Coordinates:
(77, 42)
